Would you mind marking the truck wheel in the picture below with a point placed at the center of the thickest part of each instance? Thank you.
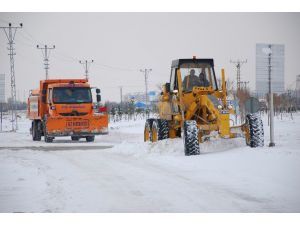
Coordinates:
(254, 131)
(160, 130)
(191, 142)
(148, 130)
(48, 139)
(33, 131)
(75, 138)
(178, 132)
(90, 138)
(36, 130)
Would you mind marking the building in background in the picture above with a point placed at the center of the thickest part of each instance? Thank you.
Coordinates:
(277, 69)
(298, 91)
(298, 83)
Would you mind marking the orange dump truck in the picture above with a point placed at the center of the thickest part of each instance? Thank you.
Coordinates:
(64, 107)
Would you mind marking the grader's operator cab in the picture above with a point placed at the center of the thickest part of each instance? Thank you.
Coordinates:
(198, 73)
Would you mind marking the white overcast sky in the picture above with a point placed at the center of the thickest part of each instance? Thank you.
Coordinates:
(123, 43)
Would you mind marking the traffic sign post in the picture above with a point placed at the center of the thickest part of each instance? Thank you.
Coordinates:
(252, 105)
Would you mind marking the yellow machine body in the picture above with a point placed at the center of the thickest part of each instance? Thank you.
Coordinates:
(206, 105)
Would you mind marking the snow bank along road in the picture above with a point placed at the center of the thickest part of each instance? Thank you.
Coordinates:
(120, 173)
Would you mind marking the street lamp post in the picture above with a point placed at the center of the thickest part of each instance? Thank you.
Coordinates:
(268, 51)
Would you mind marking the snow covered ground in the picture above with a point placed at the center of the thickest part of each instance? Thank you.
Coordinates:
(121, 173)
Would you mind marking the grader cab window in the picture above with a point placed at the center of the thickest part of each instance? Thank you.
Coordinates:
(173, 80)
(197, 75)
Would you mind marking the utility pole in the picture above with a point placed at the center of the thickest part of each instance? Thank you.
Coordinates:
(146, 73)
(2, 97)
(46, 54)
(121, 94)
(238, 63)
(10, 33)
(271, 105)
(86, 64)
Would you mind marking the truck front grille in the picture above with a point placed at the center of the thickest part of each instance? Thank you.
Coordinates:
(73, 114)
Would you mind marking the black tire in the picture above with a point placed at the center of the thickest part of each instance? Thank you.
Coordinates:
(48, 139)
(90, 138)
(191, 142)
(33, 130)
(178, 132)
(161, 128)
(75, 138)
(256, 130)
(36, 130)
(148, 130)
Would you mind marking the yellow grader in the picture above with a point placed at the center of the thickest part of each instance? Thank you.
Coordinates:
(192, 106)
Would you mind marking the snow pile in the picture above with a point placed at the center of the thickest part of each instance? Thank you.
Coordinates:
(133, 176)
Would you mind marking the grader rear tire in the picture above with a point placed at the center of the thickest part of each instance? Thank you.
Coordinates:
(154, 131)
(191, 142)
(148, 130)
(255, 132)
(160, 130)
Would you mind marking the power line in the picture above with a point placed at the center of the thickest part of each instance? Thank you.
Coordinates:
(34, 40)
(24, 43)
(115, 68)
(4, 21)
(31, 38)
(86, 64)
(26, 58)
(10, 33)
(65, 59)
(46, 54)
(27, 40)
(71, 58)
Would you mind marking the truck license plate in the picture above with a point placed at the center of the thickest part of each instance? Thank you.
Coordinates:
(78, 123)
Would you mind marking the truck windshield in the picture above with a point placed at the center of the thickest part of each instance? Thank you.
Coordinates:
(72, 95)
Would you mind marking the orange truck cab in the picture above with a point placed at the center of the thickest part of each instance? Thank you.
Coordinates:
(64, 107)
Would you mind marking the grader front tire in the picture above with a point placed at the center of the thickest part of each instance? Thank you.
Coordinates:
(255, 131)
(191, 142)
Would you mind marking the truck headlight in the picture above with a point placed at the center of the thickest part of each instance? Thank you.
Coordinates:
(220, 107)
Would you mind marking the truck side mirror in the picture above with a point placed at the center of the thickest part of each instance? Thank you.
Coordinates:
(167, 86)
(98, 91)
(98, 98)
